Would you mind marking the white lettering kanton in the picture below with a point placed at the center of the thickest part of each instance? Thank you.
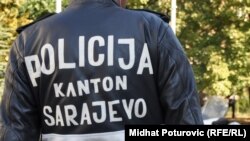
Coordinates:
(83, 87)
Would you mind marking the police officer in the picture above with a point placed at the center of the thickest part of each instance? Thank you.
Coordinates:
(86, 72)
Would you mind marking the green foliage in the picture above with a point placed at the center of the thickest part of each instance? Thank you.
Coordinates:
(4, 49)
(156, 5)
(214, 34)
(243, 103)
(36, 8)
(10, 20)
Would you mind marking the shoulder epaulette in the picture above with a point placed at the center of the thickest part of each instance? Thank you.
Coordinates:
(43, 16)
(164, 17)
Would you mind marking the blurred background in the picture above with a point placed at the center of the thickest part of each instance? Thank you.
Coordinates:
(214, 33)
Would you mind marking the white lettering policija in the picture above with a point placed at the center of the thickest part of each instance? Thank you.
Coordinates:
(37, 67)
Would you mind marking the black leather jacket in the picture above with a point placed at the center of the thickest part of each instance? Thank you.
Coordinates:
(84, 73)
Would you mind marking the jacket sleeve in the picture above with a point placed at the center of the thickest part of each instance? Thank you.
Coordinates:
(19, 111)
(176, 81)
